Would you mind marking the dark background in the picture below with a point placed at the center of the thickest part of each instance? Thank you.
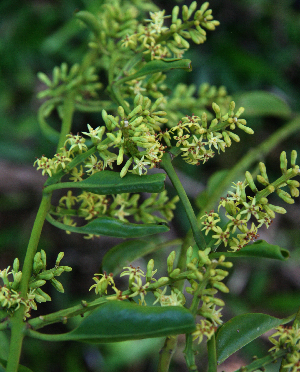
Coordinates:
(256, 47)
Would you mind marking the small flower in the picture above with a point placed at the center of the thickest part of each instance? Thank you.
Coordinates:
(171, 300)
(204, 328)
(140, 166)
(102, 283)
(77, 174)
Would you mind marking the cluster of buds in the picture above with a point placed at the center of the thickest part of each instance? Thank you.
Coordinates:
(196, 139)
(156, 208)
(240, 208)
(10, 298)
(64, 80)
(185, 98)
(160, 41)
(206, 279)
(288, 339)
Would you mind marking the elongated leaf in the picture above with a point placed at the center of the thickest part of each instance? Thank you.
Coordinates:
(120, 321)
(241, 330)
(122, 254)
(109, 182)
(260, 248)
(112, 227)
(157, 66)
(259, 103)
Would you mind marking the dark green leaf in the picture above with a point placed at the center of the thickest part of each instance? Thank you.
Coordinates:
(260, 248)
(121, 321)
(122, 254)
(259, 103)
(109, 182)
(113, 227)
(241, 330)
(158, 66)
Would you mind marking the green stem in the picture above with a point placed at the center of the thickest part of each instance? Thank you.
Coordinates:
(262, 362)
(68, 111)
(190, 354)
(166, 164)
(17, 324)
(212, 354)
(166, 353)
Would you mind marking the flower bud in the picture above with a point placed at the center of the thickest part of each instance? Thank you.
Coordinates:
(283, 162)
(174, 273)
(293, 158)
(16, 265)
(121, 112)
(59, 258)
(217, 110)
(175, 13)
(269, 211)
(150, 267)
(221, 287)
(250, 181)
(262, 180)
(135, 111)
(185, 13)
(285, 196)
(277, 209)
(120, 156)
(189, 255)
(161, 282)
(170, 261)
(125, 168)
(57, 285)
(37, 284)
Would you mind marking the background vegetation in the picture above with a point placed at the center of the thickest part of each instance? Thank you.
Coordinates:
(256, 47)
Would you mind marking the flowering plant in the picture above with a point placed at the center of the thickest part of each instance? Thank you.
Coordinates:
(106, 168)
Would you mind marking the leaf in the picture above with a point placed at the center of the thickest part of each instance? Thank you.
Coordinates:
(260, 248)
(122, 254)
(121, 321)
(158, 66)
(20, 368)
(241, 330)
(109, 182)
(113, 227)
(260, 103)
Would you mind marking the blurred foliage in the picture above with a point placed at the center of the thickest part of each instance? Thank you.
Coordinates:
(255, 48)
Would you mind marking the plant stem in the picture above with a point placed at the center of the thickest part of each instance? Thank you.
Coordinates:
(166, 353)
(17, 324)
(189, 354)
(166, 164)
(212, 355)
(68, 111)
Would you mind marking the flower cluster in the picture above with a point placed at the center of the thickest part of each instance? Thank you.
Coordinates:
(90, 206)
(246, 214)
(206, 280)
(159, 41)
(186, 99)
(197, 140)
(288, 339)
(10, 298)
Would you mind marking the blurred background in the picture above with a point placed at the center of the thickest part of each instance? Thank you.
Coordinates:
(256, 47)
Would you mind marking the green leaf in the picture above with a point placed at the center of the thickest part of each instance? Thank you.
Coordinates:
(260, 248)
(260, 103)
(20, 368)
(158, 66)
(121, 321)
(113, 227)
(241, 330)
(109, 182)
(122, 254)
